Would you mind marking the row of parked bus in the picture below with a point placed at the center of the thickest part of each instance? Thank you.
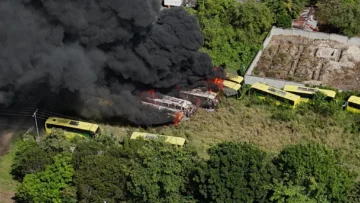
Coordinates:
(233, 85)
(294, 95)
(82, 129)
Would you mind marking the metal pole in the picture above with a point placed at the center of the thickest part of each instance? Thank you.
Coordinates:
(37, 129)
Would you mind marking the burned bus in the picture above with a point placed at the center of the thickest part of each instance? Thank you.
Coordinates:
(174, 103)
(204, 99)
(177, 115)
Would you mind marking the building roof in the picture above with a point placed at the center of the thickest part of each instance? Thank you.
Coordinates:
(306, 20)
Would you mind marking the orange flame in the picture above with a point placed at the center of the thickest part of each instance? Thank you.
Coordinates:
(152, 93)
(178, 117)
(218, 82)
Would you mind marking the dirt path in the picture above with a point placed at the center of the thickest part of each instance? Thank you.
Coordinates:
(5, 139)
(6, 197)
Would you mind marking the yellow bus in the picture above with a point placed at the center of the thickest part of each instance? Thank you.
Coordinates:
(72, 128)
(179, 141)
(262, 91)
(353, 104)
(235, 78)
(231, 88)
(233, 85)
(307, 93)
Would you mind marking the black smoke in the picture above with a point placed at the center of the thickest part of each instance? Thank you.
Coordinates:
(69, 53)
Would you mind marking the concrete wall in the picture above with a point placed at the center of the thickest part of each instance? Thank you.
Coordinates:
(251, 79)
(315, 35)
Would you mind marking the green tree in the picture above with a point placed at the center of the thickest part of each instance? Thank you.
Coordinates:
(285, 10)
(52, 185)
(101, 178)
(29, 158)
(236, 172)
(233, 32)
(290, 194)
(314, 168)
(342, 15)
(57, 142)
(160, 173)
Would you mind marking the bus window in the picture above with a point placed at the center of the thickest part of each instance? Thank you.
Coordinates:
(353, 105)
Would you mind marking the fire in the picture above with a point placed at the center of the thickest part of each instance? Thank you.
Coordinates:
(178, 117)
(218, 82)
(152, 93)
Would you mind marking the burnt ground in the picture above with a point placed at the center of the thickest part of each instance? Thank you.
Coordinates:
(317, 62)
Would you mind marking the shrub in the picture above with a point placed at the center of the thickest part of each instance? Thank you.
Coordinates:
(315, 168)
(282, 114)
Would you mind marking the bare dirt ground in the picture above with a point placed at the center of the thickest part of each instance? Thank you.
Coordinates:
(5, 138)
(318, 62)
(6, 197)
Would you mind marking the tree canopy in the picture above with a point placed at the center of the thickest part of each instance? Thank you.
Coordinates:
(342, 16)
(236, 173)
(98, 170)
(233, 31)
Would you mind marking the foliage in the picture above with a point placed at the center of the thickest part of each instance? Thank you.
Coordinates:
(160, 173)
(290, 194)
(315, 168)
(56, 142)
(285, 10)
(321, 106)
(51, 185)
(233, 32)
(342, 15)
(283, 114)
(29, 159)
(101, 178)
(236, 173)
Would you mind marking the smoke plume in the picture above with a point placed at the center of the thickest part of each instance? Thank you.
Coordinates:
(79, 51)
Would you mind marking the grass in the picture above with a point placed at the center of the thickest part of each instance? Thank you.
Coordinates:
(243, 120)
(7, 184)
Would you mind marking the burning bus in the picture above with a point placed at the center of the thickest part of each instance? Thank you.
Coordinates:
(205, 99)
(177, 104)
(177, 115)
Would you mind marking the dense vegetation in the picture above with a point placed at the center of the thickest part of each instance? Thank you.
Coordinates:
(138, 171)
(234, 31)
(102, 169)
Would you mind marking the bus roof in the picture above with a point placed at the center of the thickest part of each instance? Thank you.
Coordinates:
(234, 78)
(200, 93)
(354, 99)
(308, 90)
(275, 91)
(232, 85)
(169, 139)
(72, 123)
